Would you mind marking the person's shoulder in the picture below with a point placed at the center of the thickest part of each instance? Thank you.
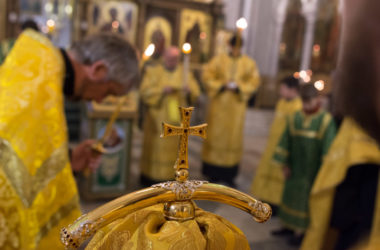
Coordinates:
(220, 57)
(326, 114)
(31, 35)
(247, 58)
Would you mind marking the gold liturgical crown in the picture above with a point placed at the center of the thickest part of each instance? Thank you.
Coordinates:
(177, 196)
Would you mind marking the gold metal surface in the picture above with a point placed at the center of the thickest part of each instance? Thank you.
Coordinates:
(179, 210)
(83, 228)
(177, 196)
(184, 131)
(112, 120)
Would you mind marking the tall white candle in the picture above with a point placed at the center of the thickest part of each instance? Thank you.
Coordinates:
(186, 49)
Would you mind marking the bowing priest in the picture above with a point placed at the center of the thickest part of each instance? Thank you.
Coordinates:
(230, 80)
(163, 90)
(37, 189)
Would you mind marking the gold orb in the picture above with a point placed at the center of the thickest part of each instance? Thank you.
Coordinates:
(179, 210)
(181, 175)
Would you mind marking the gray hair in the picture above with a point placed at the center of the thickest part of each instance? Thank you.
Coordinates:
(117, 53)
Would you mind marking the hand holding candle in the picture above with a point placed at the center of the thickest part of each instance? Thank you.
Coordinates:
(97, 147)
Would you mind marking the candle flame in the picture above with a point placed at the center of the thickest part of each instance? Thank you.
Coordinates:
(149, 50)
(186, 48)
(50, 23)
(319, 85)
(241, 23)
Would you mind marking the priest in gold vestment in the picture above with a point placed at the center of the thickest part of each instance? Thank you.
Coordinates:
(230, 80)
(268, 183)
(37, 190)
(163, 91)
(352, 155)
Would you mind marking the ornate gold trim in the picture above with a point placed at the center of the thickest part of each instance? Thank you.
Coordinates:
(311, 134)
(294, 212)
(27, 186)
(182, 190)
(281, 151)
(326, 121)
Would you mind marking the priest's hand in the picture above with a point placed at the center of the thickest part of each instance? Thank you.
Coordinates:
(83, 157)
(232, 86)
(287, 172)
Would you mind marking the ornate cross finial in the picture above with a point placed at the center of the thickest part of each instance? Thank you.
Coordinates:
(184, 131)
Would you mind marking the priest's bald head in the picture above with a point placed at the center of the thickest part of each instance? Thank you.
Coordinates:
(104, 64)
(358, 86)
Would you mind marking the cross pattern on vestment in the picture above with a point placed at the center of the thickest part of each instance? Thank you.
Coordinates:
(184, 131)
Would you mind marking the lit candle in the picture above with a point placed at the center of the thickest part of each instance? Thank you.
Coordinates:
(98, 147)
(241, 25)
(112, 120)
(50, 25)
(319, 85)
(186, 49)
(148, 52)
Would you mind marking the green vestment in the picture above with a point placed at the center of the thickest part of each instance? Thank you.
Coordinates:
(305, 141)
(5, 48)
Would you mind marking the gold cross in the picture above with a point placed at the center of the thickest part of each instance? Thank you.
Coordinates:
(184, 131)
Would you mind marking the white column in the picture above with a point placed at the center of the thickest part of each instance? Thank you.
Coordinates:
(247, 14)
(279, 8)
(232, 13)
(309, 11)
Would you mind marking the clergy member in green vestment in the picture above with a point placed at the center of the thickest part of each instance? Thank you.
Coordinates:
(307, 138)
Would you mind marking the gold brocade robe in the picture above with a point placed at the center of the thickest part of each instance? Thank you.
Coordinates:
(159, 155)
(351, 146)
(149, 229)
(38, 194)
(226, 113)
(268, 182)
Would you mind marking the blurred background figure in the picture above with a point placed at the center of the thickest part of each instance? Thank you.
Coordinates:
(300, 152)
(269, 180)
(163, 91)
(229, 82)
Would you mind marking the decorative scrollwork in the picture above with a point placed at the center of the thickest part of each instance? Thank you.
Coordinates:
(84, 231)
(261, 211)
(182, 190)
